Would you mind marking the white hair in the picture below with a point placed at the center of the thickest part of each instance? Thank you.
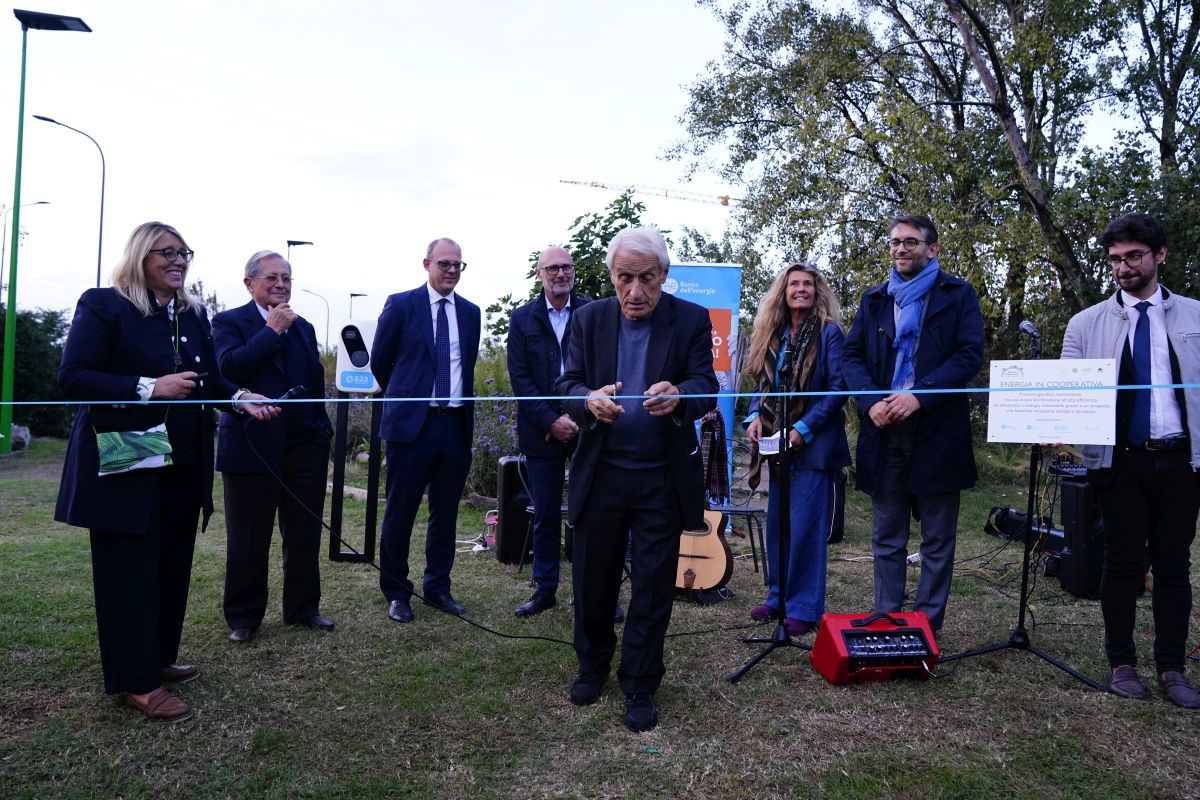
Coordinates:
(642, 239)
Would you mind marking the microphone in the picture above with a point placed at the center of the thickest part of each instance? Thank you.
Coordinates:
(1029, 328)
(290, 393)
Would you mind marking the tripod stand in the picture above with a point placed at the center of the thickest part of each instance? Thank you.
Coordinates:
(1019, 637)
(779, 469)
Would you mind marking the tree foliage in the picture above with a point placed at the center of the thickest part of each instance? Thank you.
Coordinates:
(972, 112)
(39, 346)
(588, 242)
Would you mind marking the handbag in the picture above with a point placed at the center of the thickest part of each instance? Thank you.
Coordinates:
(125, 451)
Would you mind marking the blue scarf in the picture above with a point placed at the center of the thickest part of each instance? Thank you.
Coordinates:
(910, 296)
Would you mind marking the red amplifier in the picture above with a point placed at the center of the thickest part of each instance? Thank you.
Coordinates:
(859, 648)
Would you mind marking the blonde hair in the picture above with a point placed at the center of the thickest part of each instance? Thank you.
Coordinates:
(129, 276)
(774, 314)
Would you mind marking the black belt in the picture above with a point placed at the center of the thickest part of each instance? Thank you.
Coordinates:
(447, 411)
(1169, 445)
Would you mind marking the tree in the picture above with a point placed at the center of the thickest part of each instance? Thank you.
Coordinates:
(210, 300)
(972, 111)
(588, 243)
(39, 347)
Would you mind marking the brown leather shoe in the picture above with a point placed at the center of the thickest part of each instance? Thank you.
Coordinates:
(160, 706)
(1178, 691)
(180, 673)
(1124, 682)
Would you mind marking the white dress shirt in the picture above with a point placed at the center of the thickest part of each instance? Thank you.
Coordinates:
(456, 383)
(1165, 419)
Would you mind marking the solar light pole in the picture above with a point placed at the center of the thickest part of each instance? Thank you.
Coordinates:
(41, 22)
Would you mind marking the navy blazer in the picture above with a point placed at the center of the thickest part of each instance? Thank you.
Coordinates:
(949, 356)
(402, 360)
(534, 359)
(250, 356)
(110, 345)
(825, 416)
(680, 352)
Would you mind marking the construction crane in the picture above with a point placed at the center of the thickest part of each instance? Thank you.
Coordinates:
(696, 197)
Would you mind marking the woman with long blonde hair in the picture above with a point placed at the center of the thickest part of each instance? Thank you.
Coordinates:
(796, 350)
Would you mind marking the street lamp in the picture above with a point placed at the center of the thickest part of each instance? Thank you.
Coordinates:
(103, 173)
(41, 22)
(293, 243)
(4, 230)
(326, 302)
(352, 296)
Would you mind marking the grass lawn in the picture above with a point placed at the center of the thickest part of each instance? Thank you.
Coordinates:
(441, 709)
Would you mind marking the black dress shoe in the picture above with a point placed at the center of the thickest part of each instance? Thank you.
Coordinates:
(537, 604)
(640, 713)
(317, 623)
(446, 603)
(400, 611)
(586, 688)
(241, 635)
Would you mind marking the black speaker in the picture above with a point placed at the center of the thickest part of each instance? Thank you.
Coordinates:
(1083, 548)
(512, 522)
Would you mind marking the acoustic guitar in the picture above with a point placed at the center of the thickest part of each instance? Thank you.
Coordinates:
(705, 560)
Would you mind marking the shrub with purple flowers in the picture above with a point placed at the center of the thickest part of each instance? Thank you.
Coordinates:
(495, 436)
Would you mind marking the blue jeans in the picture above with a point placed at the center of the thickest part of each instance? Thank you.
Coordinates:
(810, 497)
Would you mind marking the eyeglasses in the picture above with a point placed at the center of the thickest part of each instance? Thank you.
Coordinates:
(171, 254)
(1133, 258)
(284, 279)
(446, 266)
(907, 244)
(555, 269)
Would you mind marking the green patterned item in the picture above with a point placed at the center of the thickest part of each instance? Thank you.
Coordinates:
(122, 451)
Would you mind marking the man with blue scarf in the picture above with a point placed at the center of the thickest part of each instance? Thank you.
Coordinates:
(919, 332)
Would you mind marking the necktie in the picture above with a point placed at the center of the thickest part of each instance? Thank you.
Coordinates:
(1139, 424)
(441, 354)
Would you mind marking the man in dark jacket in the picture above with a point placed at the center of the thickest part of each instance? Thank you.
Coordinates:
(538, 338)
(921, 330)
(636, 364)
(278, 467)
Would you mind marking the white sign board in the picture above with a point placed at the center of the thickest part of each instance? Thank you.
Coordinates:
(1053, 401)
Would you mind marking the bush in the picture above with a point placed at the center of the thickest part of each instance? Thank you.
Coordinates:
(495, 436)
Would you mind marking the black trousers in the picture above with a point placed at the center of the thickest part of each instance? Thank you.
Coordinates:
(251, 503)
(1150, 502)
(141, 583)
(440, 459)
(624, 501)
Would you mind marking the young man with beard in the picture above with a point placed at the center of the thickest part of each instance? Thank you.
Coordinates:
(1146, 482)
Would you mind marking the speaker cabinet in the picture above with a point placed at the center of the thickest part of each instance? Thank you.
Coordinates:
(512, 524)
(1083, 548)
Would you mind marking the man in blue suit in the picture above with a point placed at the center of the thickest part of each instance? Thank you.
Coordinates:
(424, 355)
(538, 338)
(280, 465)
(922, 329)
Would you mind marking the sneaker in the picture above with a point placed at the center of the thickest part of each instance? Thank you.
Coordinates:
(586, 688)
(763, 613)
(640, 713)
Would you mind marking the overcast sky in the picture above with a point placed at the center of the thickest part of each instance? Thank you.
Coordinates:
(368, 128)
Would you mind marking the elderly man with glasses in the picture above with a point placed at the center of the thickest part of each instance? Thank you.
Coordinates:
(922, 329)
(538, 339)
(424, 356)
(276, 468)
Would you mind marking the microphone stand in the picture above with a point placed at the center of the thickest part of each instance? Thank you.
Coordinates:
(779, 469)
(1019, 638)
